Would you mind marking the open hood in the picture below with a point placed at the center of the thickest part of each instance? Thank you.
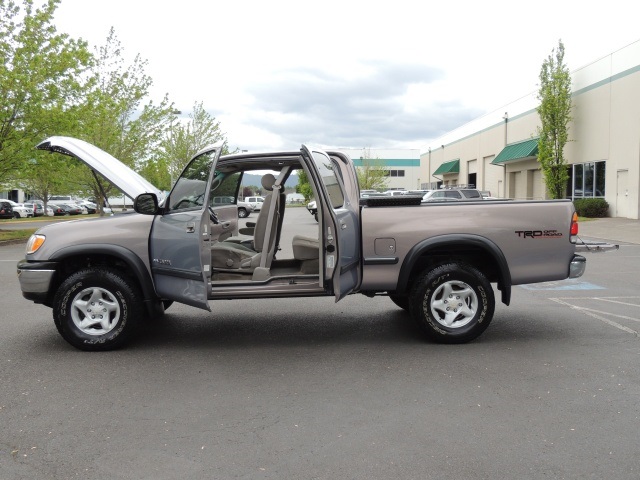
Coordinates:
(129, 182)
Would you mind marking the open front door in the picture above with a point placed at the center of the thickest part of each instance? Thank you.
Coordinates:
(338, 216)
(180, 242)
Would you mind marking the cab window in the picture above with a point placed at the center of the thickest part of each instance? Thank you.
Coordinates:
(189, 190)
(328, 175)
(224, 188)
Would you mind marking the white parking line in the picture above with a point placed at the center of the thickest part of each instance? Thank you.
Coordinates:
(592, 313)
(611, 299)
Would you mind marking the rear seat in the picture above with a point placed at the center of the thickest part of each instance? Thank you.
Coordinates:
(305, 248)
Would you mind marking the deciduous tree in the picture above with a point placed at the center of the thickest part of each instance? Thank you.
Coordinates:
(117, 114)
(183, 139)
(40, 80)
(372, 175)
(555, 114)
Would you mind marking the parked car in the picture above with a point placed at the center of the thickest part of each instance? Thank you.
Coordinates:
(313, 209)
(90, 206)
(255, 202)
(452, 194)
(70, 209)
(244, 209)
(83, 209)
(6, 210)
(38, 209)
(56, 210)
(20, 210)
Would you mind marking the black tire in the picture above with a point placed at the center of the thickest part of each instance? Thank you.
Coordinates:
(94, 292)
(242, 213)
(401, 300)
(16, 215)
(462, 289)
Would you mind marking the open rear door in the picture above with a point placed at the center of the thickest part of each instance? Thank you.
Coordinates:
(180, 241)
(338, 216)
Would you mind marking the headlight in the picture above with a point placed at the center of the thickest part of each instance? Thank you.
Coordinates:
(34, 243)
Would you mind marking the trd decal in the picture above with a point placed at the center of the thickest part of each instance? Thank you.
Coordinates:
(538, 233)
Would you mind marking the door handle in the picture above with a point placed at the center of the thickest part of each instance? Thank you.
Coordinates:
(226, 225)
(191, 227)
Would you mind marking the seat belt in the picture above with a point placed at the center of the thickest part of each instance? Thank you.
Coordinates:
(268, 250)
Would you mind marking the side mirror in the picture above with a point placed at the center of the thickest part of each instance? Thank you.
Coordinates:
(146, 204)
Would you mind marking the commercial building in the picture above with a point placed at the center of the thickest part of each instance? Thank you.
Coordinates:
(498, 152)
(402, 165)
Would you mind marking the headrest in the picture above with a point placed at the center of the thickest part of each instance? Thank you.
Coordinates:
(267, 181)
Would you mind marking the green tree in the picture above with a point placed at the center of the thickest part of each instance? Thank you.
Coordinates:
(45, 175)
(117, 116)
(555, 114)
(303, 187)
(180, 143)
(372, 175)
(39, 72)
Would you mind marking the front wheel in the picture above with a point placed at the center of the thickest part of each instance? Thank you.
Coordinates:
(453, 303)
(242, 213)
(97, 309)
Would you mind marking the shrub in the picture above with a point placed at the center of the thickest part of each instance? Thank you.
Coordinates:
(591, 207)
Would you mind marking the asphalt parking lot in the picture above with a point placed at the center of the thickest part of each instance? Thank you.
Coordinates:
(311, 389)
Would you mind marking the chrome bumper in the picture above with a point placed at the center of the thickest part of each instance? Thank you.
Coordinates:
(35, 279)
(577, 266)
(595, 247)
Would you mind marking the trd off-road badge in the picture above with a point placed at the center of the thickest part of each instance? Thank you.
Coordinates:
(538, 233)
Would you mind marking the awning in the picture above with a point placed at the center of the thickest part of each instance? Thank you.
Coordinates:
(452, 166)
(517, 151)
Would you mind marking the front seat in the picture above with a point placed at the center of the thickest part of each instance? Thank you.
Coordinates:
(234, 255)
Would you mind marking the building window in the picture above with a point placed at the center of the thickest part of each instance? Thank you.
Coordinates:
(395, 173)
(586, 180)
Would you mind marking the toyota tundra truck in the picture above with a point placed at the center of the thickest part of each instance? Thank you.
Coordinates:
(440, 262)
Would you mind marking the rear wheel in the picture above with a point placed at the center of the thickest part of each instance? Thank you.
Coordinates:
(97, 309)
(452, 303)
(242, 213)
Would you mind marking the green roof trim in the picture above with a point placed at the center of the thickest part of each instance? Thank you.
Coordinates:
(452, 166)
(517, 151)
(387, 162)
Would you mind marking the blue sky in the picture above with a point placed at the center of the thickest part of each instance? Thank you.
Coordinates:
(349, 74)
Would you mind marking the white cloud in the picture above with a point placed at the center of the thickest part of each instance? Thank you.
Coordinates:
(348, 73)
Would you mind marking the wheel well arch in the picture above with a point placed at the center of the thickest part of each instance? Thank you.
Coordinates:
(77, 257)
(474, 250)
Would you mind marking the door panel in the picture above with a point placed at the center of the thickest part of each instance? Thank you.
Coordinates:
(180, 241)
(338, 218)
(227, 223)
(176, 260)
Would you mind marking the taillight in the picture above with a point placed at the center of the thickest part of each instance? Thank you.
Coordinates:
(574, 225)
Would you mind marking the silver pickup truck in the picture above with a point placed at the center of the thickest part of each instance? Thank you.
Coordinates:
(103, 277)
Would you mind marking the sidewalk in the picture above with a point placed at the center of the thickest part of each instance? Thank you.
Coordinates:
(614, 230)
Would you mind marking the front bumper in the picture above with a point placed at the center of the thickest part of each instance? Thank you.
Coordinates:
(35, 279)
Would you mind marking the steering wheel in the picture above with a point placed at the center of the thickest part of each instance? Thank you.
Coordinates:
(213, 216)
